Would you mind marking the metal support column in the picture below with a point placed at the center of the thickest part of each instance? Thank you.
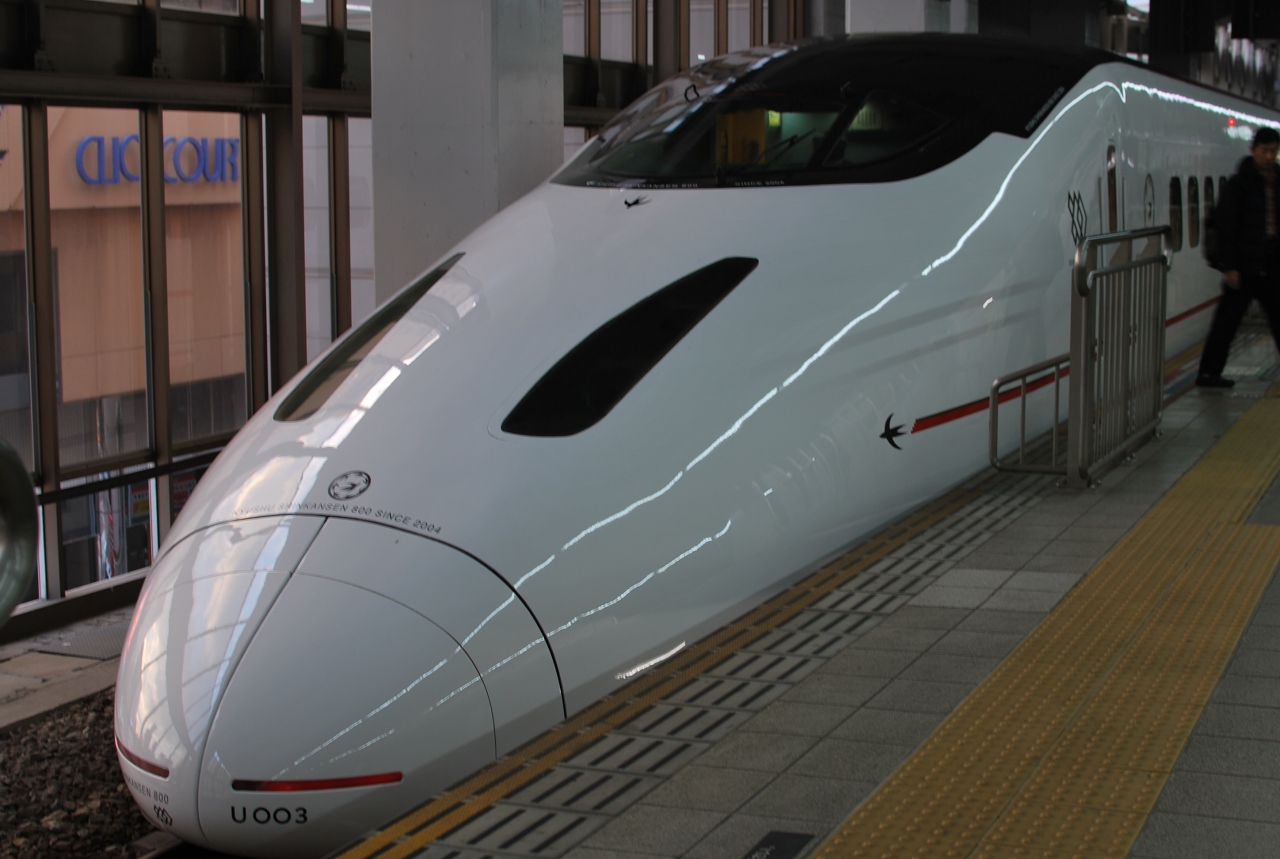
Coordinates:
(253, 222)
(667, 38)
(156, 303)
(640, 32)
(592, 9)
(339, 196)
(286, 272)
(35, 149)
(722, 27)
(786, 20)
(757, 22)
(683, 34)
(255, 261)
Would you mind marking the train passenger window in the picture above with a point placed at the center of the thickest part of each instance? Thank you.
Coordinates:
(1112, 218)
(595, 375)
(1193, 212)
(1209, 202)
(1175, 213)
(313, 391)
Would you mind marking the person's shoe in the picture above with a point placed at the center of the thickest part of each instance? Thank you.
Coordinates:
(1214, 382)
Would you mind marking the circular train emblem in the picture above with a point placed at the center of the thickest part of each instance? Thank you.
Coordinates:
(350, 485)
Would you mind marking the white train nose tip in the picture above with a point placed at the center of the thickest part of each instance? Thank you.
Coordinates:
(202, 603)
(346, 709)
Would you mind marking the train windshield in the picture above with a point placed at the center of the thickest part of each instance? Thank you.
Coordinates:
(832, 112)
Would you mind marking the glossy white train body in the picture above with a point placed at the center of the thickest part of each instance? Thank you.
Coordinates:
(395, 585)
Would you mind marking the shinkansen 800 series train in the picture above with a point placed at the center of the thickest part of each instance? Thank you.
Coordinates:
(752, 320)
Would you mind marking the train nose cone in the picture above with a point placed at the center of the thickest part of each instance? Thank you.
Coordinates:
(347, 709)
(202, 603)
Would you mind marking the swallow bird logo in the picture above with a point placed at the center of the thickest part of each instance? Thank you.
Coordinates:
(891, 432)
(638, 201)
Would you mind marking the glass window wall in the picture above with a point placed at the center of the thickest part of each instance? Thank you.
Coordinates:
(315, 12)
(96, 227)
(15, 345)
(220, 7)
(648, 17)
(315, 201)
(615, 30)
(574, 137)
(575, 27)
(106, 534)
(702, 31)
(739, 24)
(360, 148)
(360, 15)
(205, 275)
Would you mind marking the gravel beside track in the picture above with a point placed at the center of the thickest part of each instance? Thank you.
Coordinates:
(61, 793)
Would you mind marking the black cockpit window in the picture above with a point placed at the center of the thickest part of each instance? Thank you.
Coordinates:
(595, 375)
(883, 126)
(837, 111)
(313, 391)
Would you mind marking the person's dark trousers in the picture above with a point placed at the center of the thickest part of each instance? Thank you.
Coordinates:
(1264, 289)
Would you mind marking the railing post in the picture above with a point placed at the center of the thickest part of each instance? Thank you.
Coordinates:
(1081, 368)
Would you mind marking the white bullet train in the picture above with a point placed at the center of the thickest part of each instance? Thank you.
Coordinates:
(755, 318)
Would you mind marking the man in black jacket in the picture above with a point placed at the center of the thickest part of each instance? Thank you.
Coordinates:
(1248, 254)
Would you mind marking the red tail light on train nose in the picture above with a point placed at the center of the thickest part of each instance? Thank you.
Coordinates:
(315, 783)
(144, 765)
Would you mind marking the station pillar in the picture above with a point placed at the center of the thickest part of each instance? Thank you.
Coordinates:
(468, 116)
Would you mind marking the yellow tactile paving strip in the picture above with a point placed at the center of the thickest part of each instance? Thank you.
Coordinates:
(472, 797)
(1064, 749)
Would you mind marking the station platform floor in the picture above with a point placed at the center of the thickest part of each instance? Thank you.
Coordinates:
(1018, 669)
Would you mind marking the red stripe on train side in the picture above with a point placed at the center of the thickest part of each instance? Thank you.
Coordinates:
(940, 418)
(1187, 314)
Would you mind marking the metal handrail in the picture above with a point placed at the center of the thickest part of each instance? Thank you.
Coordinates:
(89, 487)
(1080, 262)
(1060, 367)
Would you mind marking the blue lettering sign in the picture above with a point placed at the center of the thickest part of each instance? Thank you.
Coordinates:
(97, 142)
(214, 161)
(118, 146)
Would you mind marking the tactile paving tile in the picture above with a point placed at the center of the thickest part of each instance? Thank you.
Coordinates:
(731, 692)
(1031, 829)
(649, 755)
(526, 831)
(444, 851)
(833, 622)
(769, 667)
(687, 723)
(800, 643)
(1064, 749)
(887, 583)
(585, 790)
(866, 603)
